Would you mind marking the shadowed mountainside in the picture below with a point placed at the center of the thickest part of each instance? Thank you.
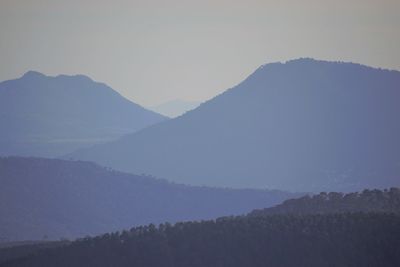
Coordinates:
(52, 199)
(303, 125)
(51, 116)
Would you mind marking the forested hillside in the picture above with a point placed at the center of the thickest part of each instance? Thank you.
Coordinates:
(358, 239)
(327, 230)
(334, 202)
(15, 250)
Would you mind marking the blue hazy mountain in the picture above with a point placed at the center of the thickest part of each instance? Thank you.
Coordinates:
(303, 125)
(50, 116)
(56, 198)
(175, 108)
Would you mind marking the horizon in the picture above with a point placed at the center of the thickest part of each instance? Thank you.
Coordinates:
(155, 106)
(152, 53)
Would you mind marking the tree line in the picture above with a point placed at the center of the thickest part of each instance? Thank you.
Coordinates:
(362, 238)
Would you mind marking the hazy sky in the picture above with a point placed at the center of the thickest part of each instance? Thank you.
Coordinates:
(154, 51)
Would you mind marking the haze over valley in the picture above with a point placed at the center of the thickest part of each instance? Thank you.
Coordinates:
(199, 133)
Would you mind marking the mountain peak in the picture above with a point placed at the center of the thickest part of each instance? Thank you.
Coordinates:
(36, 74)
(69, 113)
(33, 74)
(302, 60)
(75, 77)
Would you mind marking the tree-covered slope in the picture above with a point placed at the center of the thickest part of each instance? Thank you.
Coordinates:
(358, 239)
(15, 250)
(334, 202)
(325, 232)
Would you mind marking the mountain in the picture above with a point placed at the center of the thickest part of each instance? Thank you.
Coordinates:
(304, 125)
(285, 240)
(386, 201)
(175, 108)
(51, 116)
(49, 199)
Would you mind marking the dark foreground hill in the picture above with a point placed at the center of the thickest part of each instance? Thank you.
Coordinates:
(384, 201)
(304, 125)
(53, 199)
(50, 116)
(15, 250)
(337, 237)
(357, 239)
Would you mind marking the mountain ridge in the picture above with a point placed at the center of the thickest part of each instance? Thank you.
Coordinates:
(283, 235)
(53, 199)
(283, 122)
(53, 115)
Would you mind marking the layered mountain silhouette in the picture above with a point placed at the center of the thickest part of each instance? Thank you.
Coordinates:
(51, 116)
(52, 199)
(323, 230)
(303, 125)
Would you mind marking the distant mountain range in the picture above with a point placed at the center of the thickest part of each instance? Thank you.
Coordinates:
(51, 116)
(175, 108)
(303, 125)
(49, 199)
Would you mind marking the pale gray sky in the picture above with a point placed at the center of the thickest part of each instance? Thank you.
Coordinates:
(155, 51)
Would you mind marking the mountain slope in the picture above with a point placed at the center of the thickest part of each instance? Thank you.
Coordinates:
(386, 201)
(334, 229)
(353, 239)
(55, 198)
(304, 125)
(51, 116)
